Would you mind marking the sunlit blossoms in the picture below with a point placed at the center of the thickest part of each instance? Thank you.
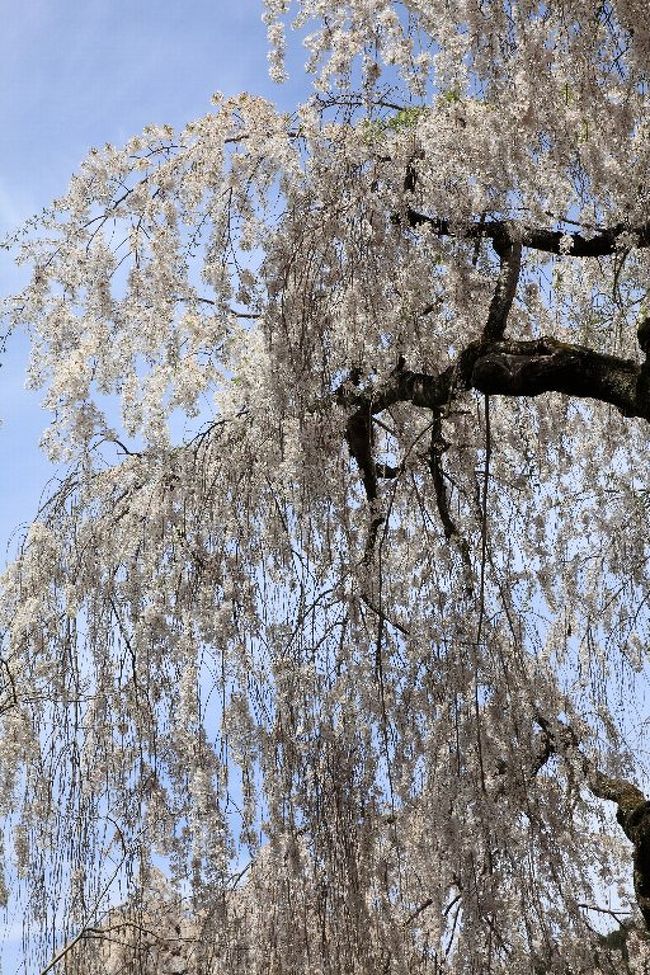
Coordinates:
(332, 640)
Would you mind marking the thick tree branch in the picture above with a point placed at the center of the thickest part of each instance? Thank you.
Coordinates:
(358, 434)
(546, 365)
(450, 528)
(504, 293)
(633, 815)
(437, 449)
(600, 244)
(359, 437)
(506, 368)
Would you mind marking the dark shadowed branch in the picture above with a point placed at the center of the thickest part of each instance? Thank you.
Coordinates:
(598, 244)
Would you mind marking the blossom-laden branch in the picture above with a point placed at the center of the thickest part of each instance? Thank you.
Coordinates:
(495, 365)
(599, 243)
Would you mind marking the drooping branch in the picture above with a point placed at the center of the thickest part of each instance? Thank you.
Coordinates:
(599, 244)
(437, 448)
(359, 438)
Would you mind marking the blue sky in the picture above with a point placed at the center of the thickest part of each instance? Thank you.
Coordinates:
(74, 75)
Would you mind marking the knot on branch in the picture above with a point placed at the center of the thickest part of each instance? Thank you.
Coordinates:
(519, 368)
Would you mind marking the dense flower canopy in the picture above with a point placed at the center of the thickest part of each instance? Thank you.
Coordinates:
(339, 614)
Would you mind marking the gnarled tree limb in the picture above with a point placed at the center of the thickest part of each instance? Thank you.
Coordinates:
(546, 365)
(633, 815)
(513, 368)
(504, 293)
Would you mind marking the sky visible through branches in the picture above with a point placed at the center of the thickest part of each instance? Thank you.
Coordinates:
(74, 76)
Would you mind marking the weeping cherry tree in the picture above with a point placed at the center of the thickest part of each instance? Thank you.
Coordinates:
(327, 653)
